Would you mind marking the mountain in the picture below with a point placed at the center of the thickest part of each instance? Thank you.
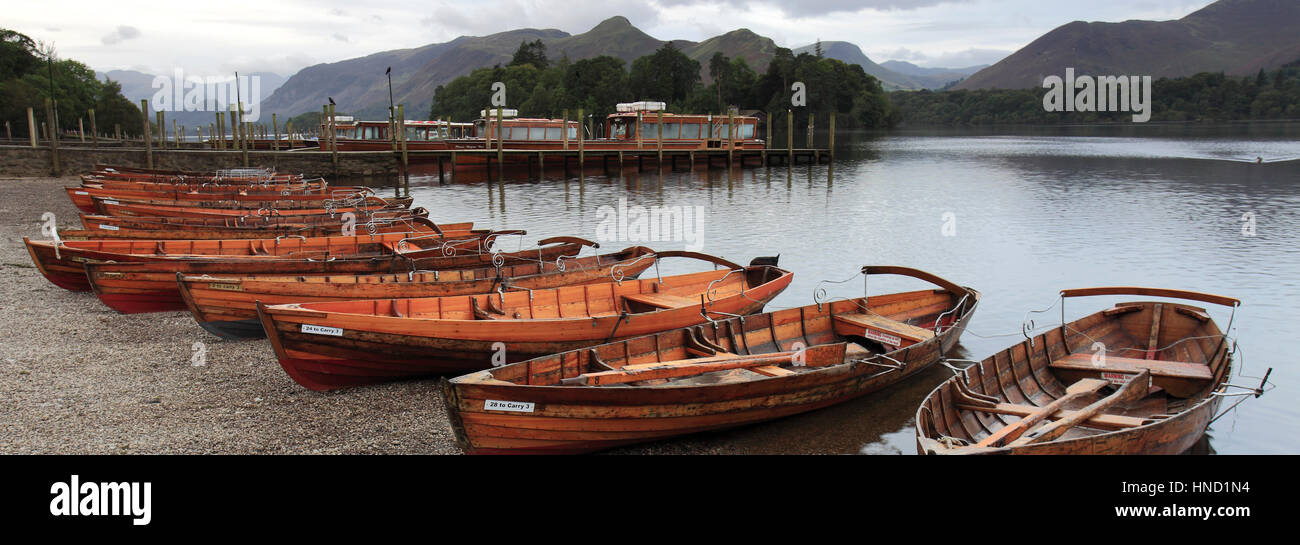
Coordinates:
(933, 77)
(358, 85)
(852, 54)
(1236, 37)
(138, 85)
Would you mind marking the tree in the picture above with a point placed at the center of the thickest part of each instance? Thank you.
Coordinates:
(533, 53)
(667, 75)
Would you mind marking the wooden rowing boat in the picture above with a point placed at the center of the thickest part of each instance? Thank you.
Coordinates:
(84, 197)
(1168, 364)
(150, 286)
(125, 208)
(246, 206)
(108, 230)
(303, 186)
(721, 374)
(332, 345)
(226, 305)
(163, 223)
(63, 262)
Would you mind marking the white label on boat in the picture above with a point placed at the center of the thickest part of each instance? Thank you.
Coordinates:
(322, 330)
(1118, 378)
(81, 192)
(884, 338)
(110, 201)
(512, 406)
(109, 227)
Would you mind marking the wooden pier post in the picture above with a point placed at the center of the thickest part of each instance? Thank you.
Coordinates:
(215, 132)
(94, 132)
(731, 137)
(81, 129)
(406, 172)
(54, 138)
(582, 156)
(176, 133)
(639, 126)
(275, 132)
(244, 133)
(9, 133)
(288, 133)
(810, 130)
(333, 138)
(31, 126)
(831, 145)
(117, 133)
(659, 140)
(789, 137)
(148, 142)
(500, 136)
(767, 142)
(564, 136)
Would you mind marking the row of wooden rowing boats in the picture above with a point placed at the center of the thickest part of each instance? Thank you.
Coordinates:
(553, 350)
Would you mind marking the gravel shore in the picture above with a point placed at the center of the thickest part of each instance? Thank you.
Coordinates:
(79, 378)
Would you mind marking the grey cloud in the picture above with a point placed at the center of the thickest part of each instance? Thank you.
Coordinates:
(121, 34)
(340, 37)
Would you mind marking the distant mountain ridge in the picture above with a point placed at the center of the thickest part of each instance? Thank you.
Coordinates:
(138, 85)
(935, 77)
(358, 85)
(1237, 37)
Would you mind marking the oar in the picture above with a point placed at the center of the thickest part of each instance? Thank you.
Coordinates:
(1135, 389)
(1011, 432)
(678, 368)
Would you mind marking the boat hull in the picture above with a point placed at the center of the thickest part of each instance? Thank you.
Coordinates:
(567, 419)
(371, 349)
(231, 301)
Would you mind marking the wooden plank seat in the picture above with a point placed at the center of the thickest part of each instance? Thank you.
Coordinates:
(661, 300)
(864, 324)
(1159, 368)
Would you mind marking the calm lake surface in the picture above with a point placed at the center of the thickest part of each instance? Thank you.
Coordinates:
(1028, 211)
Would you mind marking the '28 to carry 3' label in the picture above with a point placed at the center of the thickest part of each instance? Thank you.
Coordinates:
(322, 330)
(884, 338)
(512, 406)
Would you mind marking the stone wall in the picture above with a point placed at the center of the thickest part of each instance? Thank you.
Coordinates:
(24, 161)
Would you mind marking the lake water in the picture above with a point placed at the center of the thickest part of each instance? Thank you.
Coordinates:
(1016, 213)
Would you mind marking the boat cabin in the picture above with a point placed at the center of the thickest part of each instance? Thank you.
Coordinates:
(523, 129)
(643, 118)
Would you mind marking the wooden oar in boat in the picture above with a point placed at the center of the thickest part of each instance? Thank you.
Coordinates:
(1012, 432)
(699, 366)
(1136, 388)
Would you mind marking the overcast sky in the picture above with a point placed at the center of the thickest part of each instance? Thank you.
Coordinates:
(283, 36)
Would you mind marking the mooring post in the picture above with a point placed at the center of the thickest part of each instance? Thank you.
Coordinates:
(564, 136)
(659, 139)
(244, 147)
(31, 126)
(334, 137)
(731, 137)
(789, 136)
(831, 145)
(275, 132)
(639, 125)
(162, 130)
(217, 135)
(117, 133)
(767, 142)
(148, 143)
(582, 156)
(406, 171)
(810, 129)
(94, 133)
(176, 133)
(500, 135)
(9, 133)
(54, 138)
(288, 133)
(81, 129)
